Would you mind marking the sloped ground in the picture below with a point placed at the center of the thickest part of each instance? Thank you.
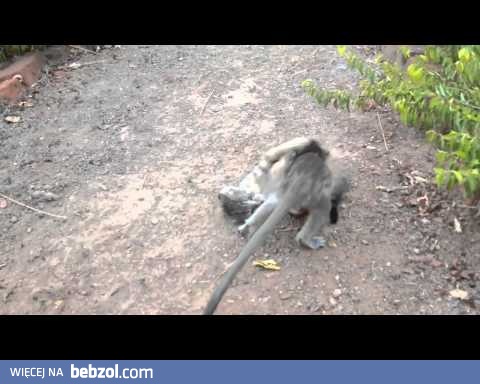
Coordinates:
(136, 156)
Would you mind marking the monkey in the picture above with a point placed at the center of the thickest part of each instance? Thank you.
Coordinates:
(240, 202)
(307, 186)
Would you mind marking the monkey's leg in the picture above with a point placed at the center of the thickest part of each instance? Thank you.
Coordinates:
(310, 234)
(259, 216)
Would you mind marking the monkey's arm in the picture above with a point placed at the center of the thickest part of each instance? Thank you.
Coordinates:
(298, 145)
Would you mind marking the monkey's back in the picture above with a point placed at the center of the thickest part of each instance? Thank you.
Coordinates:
(312, 178)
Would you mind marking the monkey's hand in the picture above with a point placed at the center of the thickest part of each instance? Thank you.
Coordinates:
(265, 164)
(244, 230)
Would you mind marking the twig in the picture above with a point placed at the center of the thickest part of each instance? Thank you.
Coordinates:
(467, 206)
(381, 130)
(33, 209)
(82, 49)
(206, 102)
(79, 65)
(288, 229)
(390, 190)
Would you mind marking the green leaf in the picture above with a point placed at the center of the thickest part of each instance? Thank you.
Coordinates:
(441, 157)
(415, 72)
(471, 184)
(439, 176)
(464, 55)
(460, 67)
(451, 181)
(405, 51)
(458, 177)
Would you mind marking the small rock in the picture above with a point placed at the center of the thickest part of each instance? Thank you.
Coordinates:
(436, 263)
(364, 242)
(44, 196)
(13, 219)
(416, 251)
(426, 259)
(188, 265)
(285, 296)
(29, 230)
(337, 292)
(154, 221)
(332, 301)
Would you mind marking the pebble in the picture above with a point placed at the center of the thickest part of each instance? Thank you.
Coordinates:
(154, 221)
(364, 242)
(337, 292)
(13, 219)
(44, 196)
(332, 301)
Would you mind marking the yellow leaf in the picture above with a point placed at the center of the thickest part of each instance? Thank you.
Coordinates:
(341, 50)
(267, 264)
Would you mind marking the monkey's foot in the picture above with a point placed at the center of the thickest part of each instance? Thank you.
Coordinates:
(315, 243)
(297, 212)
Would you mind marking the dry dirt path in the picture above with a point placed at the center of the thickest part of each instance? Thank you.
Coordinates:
(136, 148)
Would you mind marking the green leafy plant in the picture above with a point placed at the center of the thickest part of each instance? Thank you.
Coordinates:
(8, 51)
(439, 92)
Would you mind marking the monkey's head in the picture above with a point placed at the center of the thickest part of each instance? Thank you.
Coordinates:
(315, 147)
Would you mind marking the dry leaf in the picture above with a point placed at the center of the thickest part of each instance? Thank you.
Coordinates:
(458, 227)
(267, 264)
(459, 294)
(3, 203)
(332, 244)
(419, 179)
(25, 104)
(423, 204)
(12, 119)
(74, 65)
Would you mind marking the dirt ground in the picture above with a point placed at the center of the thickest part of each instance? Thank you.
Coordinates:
(135, 148)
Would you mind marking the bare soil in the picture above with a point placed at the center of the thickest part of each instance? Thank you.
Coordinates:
(135, 148)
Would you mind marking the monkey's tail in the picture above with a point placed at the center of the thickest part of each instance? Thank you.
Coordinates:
(255, 241)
